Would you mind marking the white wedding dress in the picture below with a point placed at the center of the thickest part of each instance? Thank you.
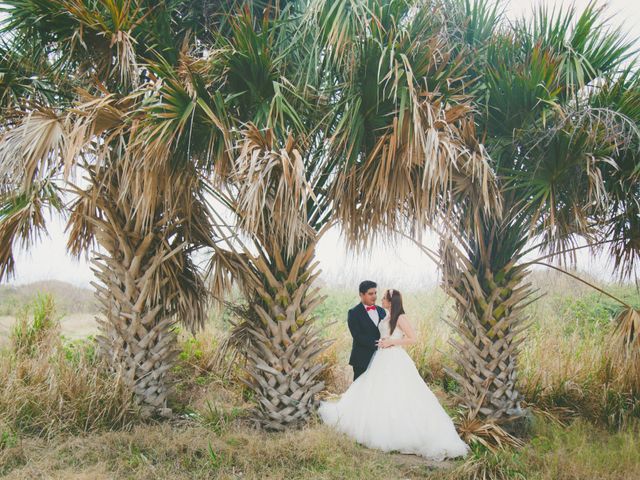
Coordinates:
(390, 407)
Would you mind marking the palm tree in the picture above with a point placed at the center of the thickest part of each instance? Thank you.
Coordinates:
(560, 117)
(316, 113)
(74, 77)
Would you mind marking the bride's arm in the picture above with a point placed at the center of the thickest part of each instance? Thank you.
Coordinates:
(410, 334)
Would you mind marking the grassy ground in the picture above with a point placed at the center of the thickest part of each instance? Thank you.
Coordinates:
(59, 418)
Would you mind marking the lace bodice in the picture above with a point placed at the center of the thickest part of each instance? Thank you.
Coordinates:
(385, 328)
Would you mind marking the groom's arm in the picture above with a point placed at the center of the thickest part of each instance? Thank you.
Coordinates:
(360, 337)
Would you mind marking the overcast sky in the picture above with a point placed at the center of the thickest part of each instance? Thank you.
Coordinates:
(402, 266)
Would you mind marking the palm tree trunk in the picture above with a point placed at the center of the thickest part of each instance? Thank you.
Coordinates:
(282, 341)
(488, 321)
(136, 297)
(136, 339)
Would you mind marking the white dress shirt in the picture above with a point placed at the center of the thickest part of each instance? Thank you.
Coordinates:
(373, 315)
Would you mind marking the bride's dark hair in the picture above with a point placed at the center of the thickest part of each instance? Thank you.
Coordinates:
(395, 298)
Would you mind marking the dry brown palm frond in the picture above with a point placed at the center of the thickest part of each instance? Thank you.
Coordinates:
(126, 63)
(102, 113)
(33, 146)
(231, 264)
(91, 125)
(474, 188)
(191, 68)
(25, 222)
(79, 226)
(39, 143)
(225, 269)
(271, 187)
(37, 146)
(414, 177)
(473, 429)
(184, 219)
(452, 263)
(107, 36)
(236, 342)
(559, 415)
(628, 330)
(186, 281)
(156, 144)
(625, 346)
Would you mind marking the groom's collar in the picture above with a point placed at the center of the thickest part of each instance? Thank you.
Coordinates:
(364, 307)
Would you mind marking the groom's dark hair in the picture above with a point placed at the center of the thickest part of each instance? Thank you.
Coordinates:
(366, 285)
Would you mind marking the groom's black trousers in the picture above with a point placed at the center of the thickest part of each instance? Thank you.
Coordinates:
(357, 371)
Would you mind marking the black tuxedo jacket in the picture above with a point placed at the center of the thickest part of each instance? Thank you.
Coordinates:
(364, 333)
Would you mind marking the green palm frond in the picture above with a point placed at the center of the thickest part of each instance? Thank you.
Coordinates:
(585, 43)
(110, 39)
(26, 77)
(256, 55)
(397, 117)
(336, 24)
(173, 123)
(474, 22)
(194, 105)
(519, 87)
(81, 225)
(561, 133)
(89, 35)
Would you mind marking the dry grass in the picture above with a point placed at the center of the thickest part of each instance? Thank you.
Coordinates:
(193, 451)
(586, 424)
(188, 449)
(47, 395)
(566, 364)
(50, 388)
(580, 451)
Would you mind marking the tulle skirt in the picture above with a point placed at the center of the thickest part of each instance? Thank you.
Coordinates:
(390, 408)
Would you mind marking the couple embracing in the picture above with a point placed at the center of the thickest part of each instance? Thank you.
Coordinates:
(389, 406)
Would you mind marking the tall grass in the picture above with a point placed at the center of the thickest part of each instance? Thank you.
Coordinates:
(566, 365)
(48, 387)
(28, 333)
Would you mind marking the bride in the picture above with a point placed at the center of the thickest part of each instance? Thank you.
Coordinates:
(389, 407)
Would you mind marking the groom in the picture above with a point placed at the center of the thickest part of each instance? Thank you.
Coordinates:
(363, 322)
